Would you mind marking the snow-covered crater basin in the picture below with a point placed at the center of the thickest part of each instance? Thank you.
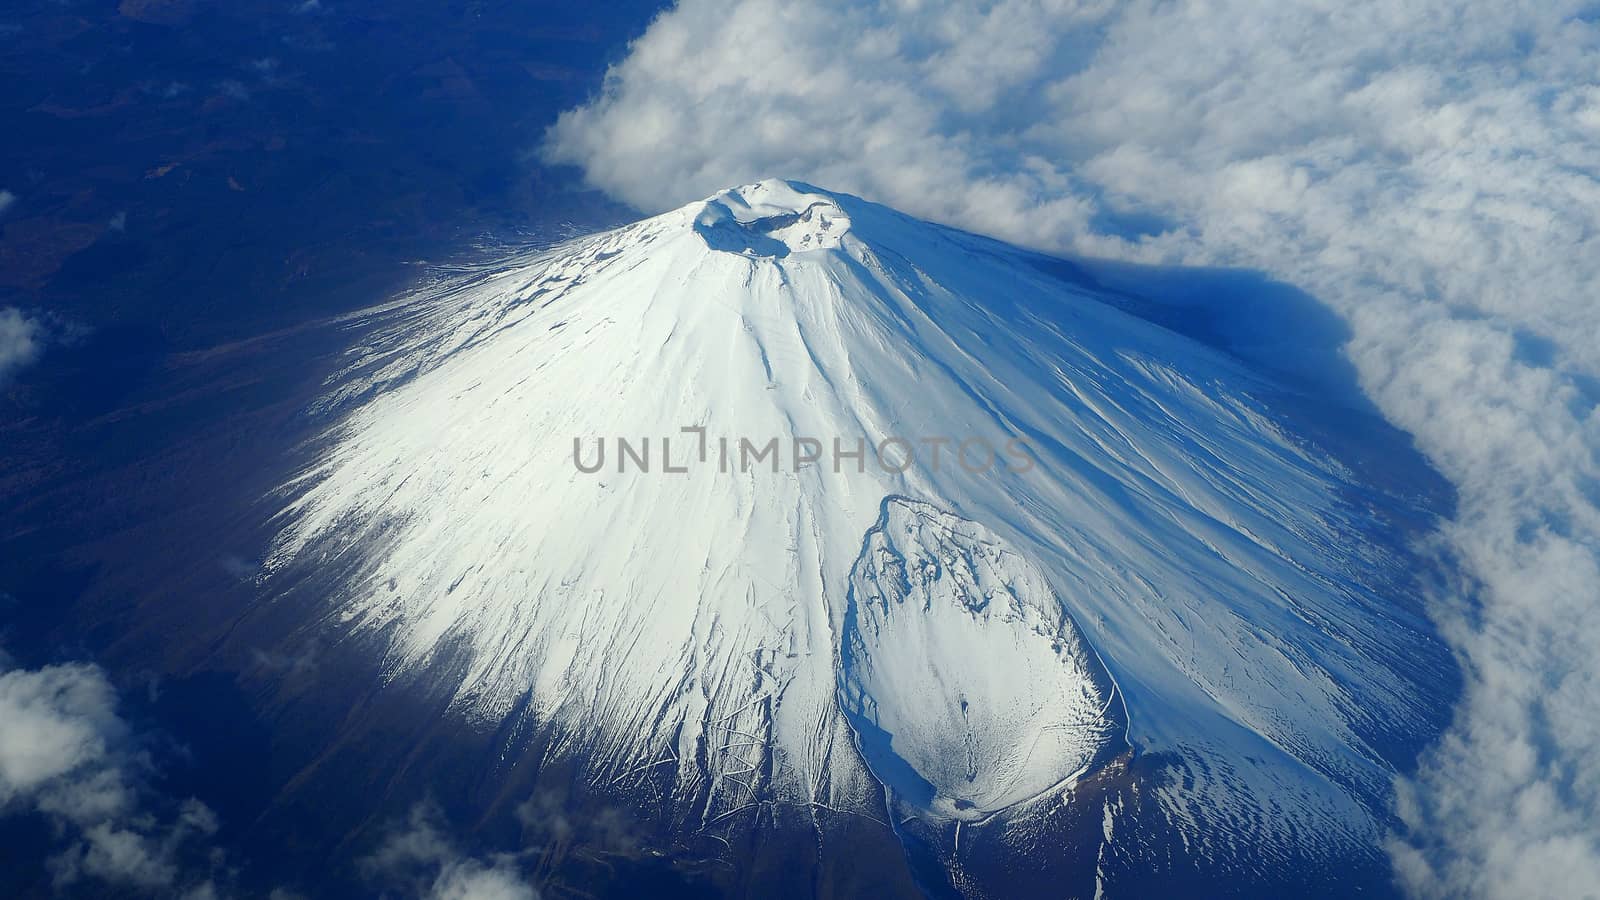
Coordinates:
(771, 219)
(969, 687)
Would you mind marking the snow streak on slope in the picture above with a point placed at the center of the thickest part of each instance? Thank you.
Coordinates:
(1237, 582)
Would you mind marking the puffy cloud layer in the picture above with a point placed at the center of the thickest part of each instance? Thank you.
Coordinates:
(1429, 168)
(67, 755)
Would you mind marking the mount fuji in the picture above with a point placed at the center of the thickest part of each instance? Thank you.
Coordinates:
(785, 517)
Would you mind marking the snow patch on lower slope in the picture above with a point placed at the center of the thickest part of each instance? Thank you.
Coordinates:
(968, 684)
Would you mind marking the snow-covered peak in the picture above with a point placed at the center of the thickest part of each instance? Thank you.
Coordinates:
(1116, 536)
(772, 218)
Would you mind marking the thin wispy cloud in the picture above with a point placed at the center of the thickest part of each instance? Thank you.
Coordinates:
(421, 856)
(21, 341)
(1429, 168)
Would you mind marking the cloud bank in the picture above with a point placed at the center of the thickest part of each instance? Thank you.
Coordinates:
(1429, 168)
(66, 754)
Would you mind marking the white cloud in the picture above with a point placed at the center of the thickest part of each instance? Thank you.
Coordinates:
(21, 339)
(472, 880)
(59, 719)
(421, 855)
(6, 199)
(1429, 168)
(66, 754)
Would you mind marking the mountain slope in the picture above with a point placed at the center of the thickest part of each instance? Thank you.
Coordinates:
(1083, 534)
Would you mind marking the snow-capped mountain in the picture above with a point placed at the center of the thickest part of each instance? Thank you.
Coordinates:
(783, 507)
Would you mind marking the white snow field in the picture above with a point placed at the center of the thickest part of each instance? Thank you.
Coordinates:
(961, 671)
(1153, 558)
